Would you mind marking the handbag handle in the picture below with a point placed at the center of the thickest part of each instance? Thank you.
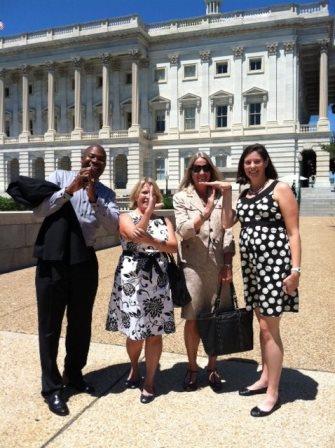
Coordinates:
(233, 298)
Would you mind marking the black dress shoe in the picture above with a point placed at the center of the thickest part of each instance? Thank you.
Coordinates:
(256, 412)
(214, 380)
(56, 404)
(132, 384)
(145, 399)
(81, 386)
(245, 392)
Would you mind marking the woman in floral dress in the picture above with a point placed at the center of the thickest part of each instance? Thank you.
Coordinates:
(141, 306)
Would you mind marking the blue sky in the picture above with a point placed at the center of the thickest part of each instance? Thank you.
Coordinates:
(20, 16)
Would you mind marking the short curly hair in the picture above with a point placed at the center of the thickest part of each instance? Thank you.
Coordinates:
(138, 187)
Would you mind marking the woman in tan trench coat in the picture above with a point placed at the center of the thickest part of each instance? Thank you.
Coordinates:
(206, 251)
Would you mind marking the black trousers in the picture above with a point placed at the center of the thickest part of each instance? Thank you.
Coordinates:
(60, 286)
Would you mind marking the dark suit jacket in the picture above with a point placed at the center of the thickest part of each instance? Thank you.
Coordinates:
(60, 237)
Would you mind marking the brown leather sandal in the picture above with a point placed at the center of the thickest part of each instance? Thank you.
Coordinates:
(188, 384)
(214, 380)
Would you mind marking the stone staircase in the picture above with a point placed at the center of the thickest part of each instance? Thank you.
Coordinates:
(319, 201)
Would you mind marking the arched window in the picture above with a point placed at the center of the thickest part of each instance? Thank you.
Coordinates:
(121, 171)
(14, 170)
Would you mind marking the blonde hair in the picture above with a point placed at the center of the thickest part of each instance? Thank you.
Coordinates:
(138, 187)
(187, 179)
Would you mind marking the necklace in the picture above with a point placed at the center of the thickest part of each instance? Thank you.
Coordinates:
(256, 191)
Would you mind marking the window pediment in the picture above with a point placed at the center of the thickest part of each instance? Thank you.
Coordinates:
(189, 100)
(255, 94)
(159, 102)
(221, 98)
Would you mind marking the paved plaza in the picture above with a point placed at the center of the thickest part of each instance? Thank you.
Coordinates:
(115, 417)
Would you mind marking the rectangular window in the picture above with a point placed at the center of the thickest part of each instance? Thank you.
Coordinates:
(159, 74)
(255, 64)
(189, 118)
(100, 121)
(31, 127)
(99, 82)
(72, 84)
(254, 114)
(222, 68)
(190, 71)
(7, 128)
(160, 121)
(128, 119)
(6, 92)
(30, 89)
(160, 168)
(56, 123)
(221, 116)
(221, 161)
(128, 78)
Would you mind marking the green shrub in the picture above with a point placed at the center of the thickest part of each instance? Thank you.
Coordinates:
(167, 199)
(8, 205)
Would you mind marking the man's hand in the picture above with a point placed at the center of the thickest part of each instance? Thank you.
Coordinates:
(80, 181)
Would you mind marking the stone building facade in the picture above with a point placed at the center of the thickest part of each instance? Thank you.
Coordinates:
(155, 94)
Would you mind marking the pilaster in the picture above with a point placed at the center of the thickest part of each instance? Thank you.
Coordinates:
(205, 57)
(272, 106)
(77, 131)
(50, 134)
(173, 77)
(135, 125)
(289, 48)
(24, 135)
(104, 132)
(237, 122)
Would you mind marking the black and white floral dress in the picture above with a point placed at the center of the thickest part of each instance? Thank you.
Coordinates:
(265, 254)
(140, 305)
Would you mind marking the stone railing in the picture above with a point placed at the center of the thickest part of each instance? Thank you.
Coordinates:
(306, 128)
(18, 231)
(66, 137)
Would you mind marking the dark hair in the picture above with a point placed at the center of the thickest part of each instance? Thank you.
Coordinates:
(270, 170)
(187, 179)
(89, 148)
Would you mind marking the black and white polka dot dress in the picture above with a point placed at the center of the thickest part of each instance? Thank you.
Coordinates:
(265, 254)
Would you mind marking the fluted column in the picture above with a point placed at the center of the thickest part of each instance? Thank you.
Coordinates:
(50, 134)
(135, 98)
(24, 136)
(173, 79)
(323, 121)
(2, 105)
(105, 130)
(237, 124)
(272, 103)
(205, 57)
(289, 48)
(77, 131)
(115, 80)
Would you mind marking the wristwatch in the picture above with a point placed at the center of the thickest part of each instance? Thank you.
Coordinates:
(297, 269)
(67, 195)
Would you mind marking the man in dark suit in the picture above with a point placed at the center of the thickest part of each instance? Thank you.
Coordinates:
(67, 271)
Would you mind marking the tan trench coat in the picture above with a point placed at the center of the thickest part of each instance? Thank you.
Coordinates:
(202, 252)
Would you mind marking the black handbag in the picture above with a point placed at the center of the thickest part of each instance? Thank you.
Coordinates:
(179, 293)
(225, 331)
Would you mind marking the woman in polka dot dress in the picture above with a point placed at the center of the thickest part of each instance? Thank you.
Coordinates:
(270, 257)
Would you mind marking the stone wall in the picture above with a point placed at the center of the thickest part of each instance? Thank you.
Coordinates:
(18, 231)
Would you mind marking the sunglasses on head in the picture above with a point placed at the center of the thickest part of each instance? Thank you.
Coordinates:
(198, 168)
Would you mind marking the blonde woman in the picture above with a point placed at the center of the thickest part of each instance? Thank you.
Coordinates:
(206, 251)
(140, 304)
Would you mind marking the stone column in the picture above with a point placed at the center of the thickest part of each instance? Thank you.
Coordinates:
(272, 105)
(104, 132)
(50, 134)
(63, 125)
(289, 83)
(144, 101)
(38, 101)
(135, 99)
(115, 80)
(2, 105)
(89, 70)
(15, 103)
(237, 122)
(173, 80)
(24, 136)
(77, 131)
(205, 57)
(323, 122)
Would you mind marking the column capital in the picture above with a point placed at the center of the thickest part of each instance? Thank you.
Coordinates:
(77, 62)
(115, 64)
(135, 53)
(238, 52)
(173, 58)
(289, 47)
(24, 69)
(272, 48)
(105, 58)
(324, 45)
(205, 56)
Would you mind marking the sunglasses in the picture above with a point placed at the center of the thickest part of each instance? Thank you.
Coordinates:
(198, 168)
